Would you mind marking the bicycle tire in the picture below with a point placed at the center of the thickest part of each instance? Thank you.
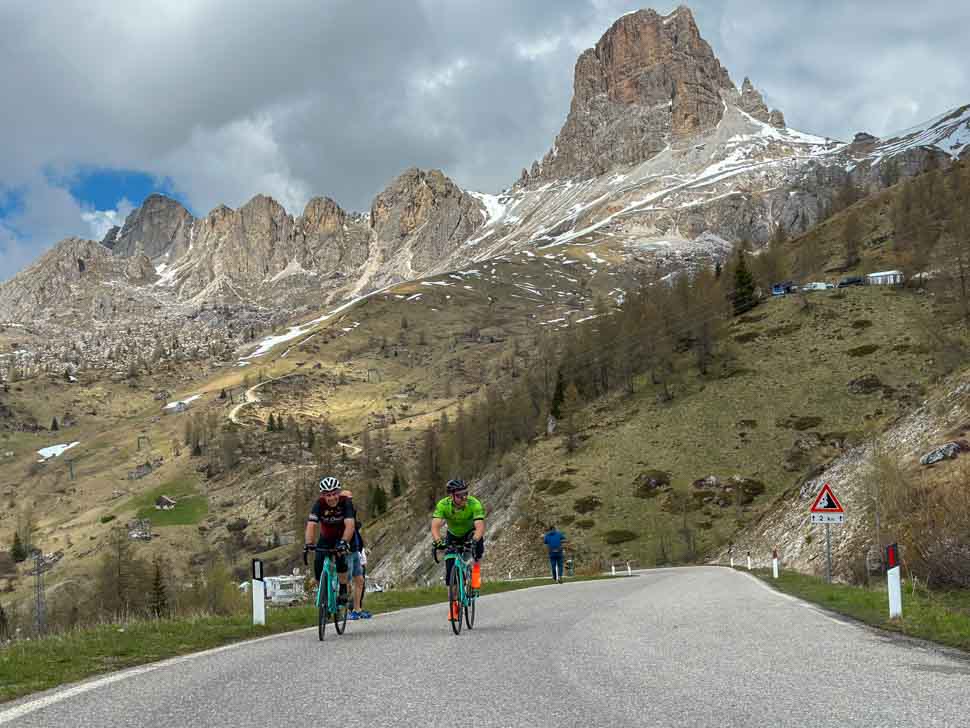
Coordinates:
(470, 612)
(322, 621)
(323, 600)
(340, 615)
(454, 601)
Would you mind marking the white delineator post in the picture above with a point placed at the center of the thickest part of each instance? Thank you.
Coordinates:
(613, 569)
(749, 561)
(629, 571)
(259, 593)
(894, 580)
(774, 563)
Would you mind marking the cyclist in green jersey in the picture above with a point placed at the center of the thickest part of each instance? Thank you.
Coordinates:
(465, 517)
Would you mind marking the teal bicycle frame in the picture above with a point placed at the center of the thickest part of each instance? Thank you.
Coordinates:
(328, 577)
(461, 570)
(460, 556)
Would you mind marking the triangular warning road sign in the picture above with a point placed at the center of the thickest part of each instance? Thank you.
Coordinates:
(826, 502)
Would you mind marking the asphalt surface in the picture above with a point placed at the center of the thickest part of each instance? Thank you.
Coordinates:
(674, 647)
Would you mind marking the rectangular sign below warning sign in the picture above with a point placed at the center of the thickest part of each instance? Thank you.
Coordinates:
(826, 508)
(828, 518)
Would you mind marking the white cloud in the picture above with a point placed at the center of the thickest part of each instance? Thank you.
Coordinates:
(335, 97)
(232, 163)
(537, 47)
(101, 221)
(438, 80)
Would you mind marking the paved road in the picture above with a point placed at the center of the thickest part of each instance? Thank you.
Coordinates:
(678, 647)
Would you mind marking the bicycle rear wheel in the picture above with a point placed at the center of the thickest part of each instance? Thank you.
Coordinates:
(340, 616)
(454, 602)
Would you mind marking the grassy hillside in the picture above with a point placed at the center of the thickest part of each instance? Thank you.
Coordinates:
(788, 409)
(652, 479)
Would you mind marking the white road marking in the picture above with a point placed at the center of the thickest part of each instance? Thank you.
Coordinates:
(20, 711)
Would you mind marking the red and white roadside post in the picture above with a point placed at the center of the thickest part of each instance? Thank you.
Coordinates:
(895, 581)
(749, 561)
(774, 562)
(259, 593)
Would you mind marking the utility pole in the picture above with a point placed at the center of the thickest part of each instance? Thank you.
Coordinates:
(40, 606)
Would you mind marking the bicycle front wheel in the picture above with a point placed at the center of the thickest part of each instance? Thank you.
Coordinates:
(470, 612)
(454, 602)
(322, 620)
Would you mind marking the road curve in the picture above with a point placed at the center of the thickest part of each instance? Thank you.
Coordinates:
(674, 647)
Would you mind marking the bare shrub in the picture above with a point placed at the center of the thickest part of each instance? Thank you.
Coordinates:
(931, 519)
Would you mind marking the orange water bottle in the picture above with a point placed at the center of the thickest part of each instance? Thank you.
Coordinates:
(476, 575)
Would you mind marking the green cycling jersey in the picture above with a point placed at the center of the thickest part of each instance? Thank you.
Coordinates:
(460, 522)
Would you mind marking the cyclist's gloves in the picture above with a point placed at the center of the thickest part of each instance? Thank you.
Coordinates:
(437, 545)
(306, 549)
(342, 546)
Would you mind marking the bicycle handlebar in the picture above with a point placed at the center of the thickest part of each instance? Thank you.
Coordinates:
(331, 552)
(455, 548)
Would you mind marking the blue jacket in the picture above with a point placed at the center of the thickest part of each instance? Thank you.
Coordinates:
(553, 540)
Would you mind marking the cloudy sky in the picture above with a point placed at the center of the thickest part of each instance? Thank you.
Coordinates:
(214, 101)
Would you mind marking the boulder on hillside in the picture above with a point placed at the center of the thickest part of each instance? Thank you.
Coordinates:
(867, 384)
(723, 493)
(651, 482)
(947, 451)
(239, 524)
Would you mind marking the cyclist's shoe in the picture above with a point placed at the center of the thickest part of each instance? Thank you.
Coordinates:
(354, 615)
(364, 614)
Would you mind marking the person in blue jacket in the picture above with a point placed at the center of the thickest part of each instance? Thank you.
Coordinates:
(553, 540)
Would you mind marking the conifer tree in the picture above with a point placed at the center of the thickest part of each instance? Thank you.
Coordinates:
(555, 408)
(271, 423)
(54, 425)
(851, 235)
(743, 294)
(396, 485)
(19, 551)
(158, 602)
(570, 409)
(378, 500)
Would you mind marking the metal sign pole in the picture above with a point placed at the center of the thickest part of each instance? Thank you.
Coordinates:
(828, 553)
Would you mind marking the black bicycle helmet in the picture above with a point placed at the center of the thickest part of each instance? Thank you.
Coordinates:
(456, 485)
(329, 484)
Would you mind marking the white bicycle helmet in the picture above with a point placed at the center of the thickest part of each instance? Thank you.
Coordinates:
(329, 484)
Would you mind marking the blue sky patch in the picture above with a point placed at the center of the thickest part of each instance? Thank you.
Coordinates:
(102, 188)
(11, 200)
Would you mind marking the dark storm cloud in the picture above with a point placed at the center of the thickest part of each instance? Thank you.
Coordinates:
(336, 98)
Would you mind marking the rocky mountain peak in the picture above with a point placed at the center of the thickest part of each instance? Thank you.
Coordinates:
(322, 214)
(160, 226)
(410, 200)
(421, 218)
(262, 205)
(753, 103)
(651, 79)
